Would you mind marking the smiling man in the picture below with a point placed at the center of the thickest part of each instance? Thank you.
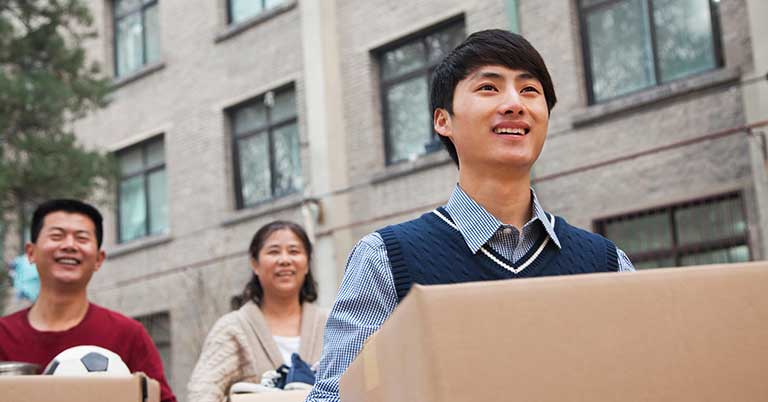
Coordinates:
(491, 100)
(65, 246)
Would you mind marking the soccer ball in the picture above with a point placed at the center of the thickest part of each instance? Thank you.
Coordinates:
(87, 360)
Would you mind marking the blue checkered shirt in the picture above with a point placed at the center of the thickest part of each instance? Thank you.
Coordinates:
(367, 294)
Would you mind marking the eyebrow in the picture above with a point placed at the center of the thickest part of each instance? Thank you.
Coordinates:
(61, 229)
(523, 76)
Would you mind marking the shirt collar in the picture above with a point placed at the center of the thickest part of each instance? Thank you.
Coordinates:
(477, 225)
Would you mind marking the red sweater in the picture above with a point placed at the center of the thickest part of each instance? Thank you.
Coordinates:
(100, 327)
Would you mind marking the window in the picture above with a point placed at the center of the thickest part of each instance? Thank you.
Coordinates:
(708, 231)
(142, 205)
(240, 10)
(137, 34)
(159, 328)
(266, 147)
(630, 45)
(406, 70)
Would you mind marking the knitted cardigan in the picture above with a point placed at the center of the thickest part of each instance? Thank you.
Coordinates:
(240, 347)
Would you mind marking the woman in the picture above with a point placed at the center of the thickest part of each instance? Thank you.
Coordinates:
(276, 320)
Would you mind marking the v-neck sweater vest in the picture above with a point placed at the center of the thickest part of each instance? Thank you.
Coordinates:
(430, 250)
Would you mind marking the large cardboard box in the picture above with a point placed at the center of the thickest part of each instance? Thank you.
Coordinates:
(278, 396)
(693, 334)
(47, 388)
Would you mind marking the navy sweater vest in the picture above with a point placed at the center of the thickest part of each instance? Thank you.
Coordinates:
(429, 251)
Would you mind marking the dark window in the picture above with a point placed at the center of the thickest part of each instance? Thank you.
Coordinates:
(159, 328)
(406, 70)
(240, 10)
(630, 45)
(137, 34)
(708, 231)
(266, 147)
(142, 205)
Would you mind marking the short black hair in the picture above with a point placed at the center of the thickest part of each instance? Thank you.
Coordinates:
(66, 205)
(484, 48)
(253, 290)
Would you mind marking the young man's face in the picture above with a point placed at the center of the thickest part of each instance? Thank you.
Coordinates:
(499, 120)
(66, 251)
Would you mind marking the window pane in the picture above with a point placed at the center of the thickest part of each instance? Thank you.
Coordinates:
(440, 43)
(152, 26)
(728, 255)
(711, 221)
(254, 169)
(158, 206)
(131, 161)
(285, 106)
(641, 234)
(126, 6)
(287, 160)
(250, 117)
(129, 47)
(272, 3)
(683, 37)
(620, 51)
(133, 212)
(244, 9)
(658, 263)
(408, 119)
(403, 59)
(155, 153)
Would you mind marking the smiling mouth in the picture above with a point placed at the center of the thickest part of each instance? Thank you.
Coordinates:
(512, 131)
(284, 274)
(68, 261)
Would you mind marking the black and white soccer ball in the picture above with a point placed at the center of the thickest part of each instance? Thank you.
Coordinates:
(87, 360)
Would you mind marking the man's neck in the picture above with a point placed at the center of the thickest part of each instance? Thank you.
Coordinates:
(506, 197)
(58, 312)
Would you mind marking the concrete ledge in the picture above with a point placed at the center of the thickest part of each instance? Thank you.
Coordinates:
(138, 74)
(595, 113)
(138, 244)
(265, 208)
(425, 162)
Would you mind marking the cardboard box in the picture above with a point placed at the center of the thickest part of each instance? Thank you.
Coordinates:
(48, 388)
(281, 396)
(691, 334)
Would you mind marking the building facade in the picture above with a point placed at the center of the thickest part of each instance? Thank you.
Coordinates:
(228, 114)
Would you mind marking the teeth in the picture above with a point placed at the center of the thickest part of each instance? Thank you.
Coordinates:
(516, 131)
(67, 261)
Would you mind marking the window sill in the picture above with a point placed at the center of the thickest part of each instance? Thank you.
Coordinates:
(425, 162)
(651, 96)
(234, 29)
(138, 244)
(138, 74)
(268, 207)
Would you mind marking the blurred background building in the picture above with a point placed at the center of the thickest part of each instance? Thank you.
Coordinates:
(227, 114)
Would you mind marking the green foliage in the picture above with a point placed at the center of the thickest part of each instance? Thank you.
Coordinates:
(45, 84)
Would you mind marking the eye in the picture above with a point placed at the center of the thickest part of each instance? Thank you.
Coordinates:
(487, 87)
(530, 88)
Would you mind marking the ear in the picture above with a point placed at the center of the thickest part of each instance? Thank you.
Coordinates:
(255, 266)
(100, 260)
(442, 122)
(29, 250)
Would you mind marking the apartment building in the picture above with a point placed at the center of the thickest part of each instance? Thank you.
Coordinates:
(227, 114)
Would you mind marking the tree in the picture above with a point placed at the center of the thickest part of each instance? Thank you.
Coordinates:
(46, 83)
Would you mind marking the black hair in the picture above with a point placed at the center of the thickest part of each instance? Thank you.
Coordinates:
(484, 48)
(253, 290)
(66, 205)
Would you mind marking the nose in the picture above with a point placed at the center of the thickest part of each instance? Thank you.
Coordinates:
(283, 259)
(511, 103)
(68, 243)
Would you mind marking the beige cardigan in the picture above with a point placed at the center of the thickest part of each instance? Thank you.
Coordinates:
(240, 347)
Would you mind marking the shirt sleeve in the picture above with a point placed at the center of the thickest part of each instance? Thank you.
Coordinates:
(366, 298)
(625, 265)
(221, 363)
(146, 359)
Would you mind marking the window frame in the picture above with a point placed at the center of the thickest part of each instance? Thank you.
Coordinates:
(676, 252)
(268, 129)
(149, 321)
(231, 20)
(426, 70)
(145, 172)
(585, 11)
(142, 9)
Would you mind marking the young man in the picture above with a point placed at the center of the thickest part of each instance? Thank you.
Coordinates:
(65, 246)
(491, 99)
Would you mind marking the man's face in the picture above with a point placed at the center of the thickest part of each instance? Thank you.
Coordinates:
(66, 252)
(499, 120)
